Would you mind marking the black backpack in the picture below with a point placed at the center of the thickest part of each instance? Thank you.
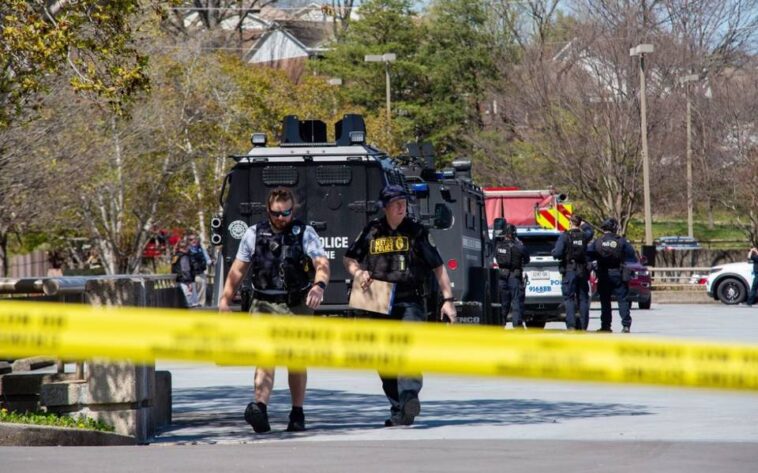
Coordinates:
(508, 254)
(576, 246)
(197, 258)
(610, 249)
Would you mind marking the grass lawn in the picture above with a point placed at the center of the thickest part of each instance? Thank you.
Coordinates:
(53, 420)
(731, 236)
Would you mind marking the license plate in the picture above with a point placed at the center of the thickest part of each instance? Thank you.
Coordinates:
(539, 275)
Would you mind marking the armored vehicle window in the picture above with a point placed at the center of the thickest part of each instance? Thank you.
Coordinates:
(333, 175)
(394, 178)
(539, 245)
(279, 175)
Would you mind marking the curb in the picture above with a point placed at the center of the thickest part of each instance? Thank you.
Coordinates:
(24, 435)
(682, 297)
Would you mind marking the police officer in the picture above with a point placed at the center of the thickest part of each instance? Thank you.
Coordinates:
(498, 226)
(397, 249)
(752, 257)
(511, 255)
(571, 251)
(611, 252)
(280, 252)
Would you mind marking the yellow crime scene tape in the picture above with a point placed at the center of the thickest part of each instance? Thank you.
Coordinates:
(72, 331)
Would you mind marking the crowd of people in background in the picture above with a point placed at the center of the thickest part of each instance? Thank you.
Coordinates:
(190, 263)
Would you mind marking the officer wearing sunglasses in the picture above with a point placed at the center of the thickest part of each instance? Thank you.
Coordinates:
(281, 254)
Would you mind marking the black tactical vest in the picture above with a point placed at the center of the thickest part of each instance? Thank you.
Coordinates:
(391, 255)
(508, 254)
(576, 247)
(279, 263)
(610, 250)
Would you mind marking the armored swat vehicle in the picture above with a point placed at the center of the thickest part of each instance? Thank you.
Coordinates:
(337, 185)
(452, 207)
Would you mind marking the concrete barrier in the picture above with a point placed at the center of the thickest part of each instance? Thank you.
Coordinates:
(22, 435)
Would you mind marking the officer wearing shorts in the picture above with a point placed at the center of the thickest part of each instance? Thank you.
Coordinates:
(397, 249)
(281, 253)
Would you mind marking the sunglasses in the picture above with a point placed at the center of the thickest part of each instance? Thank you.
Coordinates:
(283, 213)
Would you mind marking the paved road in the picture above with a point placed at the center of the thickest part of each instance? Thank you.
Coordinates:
(466, 423)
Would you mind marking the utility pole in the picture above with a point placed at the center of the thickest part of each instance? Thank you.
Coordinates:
(690, 220)
(640, 50)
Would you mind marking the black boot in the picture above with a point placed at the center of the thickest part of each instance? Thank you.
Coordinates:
(297, 420)
(256, 415)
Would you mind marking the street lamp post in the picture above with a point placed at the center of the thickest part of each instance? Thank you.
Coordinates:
(640, 50)
(386, 58)
(686, 81)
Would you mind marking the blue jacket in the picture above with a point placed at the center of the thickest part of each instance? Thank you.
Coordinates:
(754, 259)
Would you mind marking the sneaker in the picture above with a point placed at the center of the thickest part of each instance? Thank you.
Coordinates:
(603, 329)
(626, 330)
(297, 421)
(256, 414)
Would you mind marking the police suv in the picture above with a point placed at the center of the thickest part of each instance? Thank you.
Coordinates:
(336, 186)
(544, 300)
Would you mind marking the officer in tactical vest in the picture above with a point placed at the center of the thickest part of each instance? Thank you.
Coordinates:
(398, 249)
(511, 255)
(281, 253)
(498, 226)
(571, 251)
(611, 252)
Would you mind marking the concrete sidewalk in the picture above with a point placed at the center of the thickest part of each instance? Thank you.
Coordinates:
(349, 405)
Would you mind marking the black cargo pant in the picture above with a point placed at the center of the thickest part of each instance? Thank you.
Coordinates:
(609, 282)
(511, 297)
(576, 290)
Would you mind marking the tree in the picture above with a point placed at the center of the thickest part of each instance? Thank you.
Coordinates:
(572, 101)
(91, 39)
(162, 165)
(89, 42)
(457, 64)
(438, 80)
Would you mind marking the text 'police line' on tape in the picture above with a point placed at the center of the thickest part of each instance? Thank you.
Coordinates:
(143, 335)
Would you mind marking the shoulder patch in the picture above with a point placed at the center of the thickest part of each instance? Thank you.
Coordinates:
(430, 239)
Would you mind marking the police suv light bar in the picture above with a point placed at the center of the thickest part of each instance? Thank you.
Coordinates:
(258, 139)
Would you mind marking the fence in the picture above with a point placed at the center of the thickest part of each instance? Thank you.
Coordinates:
(34, 264)
(681, 279)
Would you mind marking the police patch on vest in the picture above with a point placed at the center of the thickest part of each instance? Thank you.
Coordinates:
(389, 245)
(237, 229)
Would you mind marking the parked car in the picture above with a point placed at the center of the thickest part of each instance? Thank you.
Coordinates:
(676, 243)
(729, 283)
(639, 286)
